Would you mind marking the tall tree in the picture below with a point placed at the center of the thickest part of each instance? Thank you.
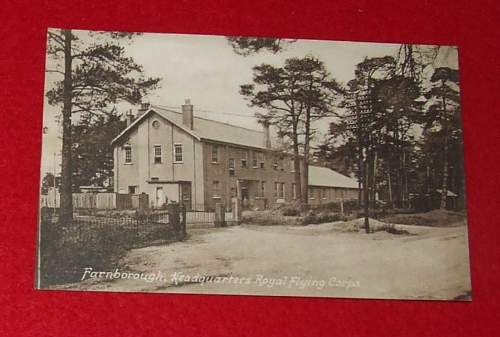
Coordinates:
(294, 96)
(246, 45)
(276, 89)
(318, 93)
(92, 150)
(444, 104)
(48, 181)
(95, 76)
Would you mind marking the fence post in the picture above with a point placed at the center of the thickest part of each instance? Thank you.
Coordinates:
(183, 221)
(220, 215)
(174, 218)
(236, 210)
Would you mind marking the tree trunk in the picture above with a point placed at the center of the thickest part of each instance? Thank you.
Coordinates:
(365, 194)
(389, 186)
(66, 203)
(444, 187)
(296, 164)
(305, 175)
(374, 178)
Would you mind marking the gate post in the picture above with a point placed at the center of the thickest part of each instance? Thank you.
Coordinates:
(174, 219)
(220, 215)
(183, 221)
(236, 210)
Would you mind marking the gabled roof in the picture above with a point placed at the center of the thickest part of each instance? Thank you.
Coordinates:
(206, 129)
(323, 176)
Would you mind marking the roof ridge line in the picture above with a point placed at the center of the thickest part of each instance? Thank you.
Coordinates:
(208, 119)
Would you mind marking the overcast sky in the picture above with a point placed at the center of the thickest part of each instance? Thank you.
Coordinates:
(206, 70)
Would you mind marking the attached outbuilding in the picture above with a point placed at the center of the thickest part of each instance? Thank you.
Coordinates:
(327, 185)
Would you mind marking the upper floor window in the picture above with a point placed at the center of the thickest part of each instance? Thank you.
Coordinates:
(254, 160)
(157, 154)
(292, 165)
(128, 155)
(231, 166)
(244, 160)
(215, 154)
(178, 153)
(260, 157)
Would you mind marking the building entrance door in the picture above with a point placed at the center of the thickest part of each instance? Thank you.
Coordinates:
(160, 197)
(185, 196)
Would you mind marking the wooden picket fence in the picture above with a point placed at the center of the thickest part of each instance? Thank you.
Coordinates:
(84, 200)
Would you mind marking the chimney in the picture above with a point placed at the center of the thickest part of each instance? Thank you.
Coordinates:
(267, 136)
(187, 114)
(144, 107)
(130, 117)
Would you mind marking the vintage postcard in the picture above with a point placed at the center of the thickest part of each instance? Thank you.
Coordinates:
(252, 166)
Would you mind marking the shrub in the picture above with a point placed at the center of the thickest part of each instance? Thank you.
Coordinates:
(290, 211)
(323, 217)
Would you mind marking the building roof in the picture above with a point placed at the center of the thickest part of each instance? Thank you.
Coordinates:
(206, 129)
(323, 176)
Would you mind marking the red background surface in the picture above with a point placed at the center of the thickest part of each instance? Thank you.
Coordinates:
(472, 25)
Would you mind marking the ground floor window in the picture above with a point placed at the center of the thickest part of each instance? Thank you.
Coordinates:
(216, 188)
(294, 191)
(262, 188)
(279, 190)
(132, 189)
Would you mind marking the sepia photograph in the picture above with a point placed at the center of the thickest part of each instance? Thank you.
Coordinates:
(233, 165)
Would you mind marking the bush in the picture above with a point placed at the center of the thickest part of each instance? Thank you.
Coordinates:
(289, 211)
(270, 218)
(63, 260)
(325, 217)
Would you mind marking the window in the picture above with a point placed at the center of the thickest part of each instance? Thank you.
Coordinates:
(156, 124)
(132, 190)
(324, 193)
(279, 190)
(128, 155)
(215, 188)
(275, 164)
(244, 160)
(157, 153)
(231, 166)
(254, 160)
(292, 165)
(178, 153)
(261, 159)
(215, 154)
(294, 191)
(262, 188)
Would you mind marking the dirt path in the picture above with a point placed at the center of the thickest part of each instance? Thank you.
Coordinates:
(303, 261)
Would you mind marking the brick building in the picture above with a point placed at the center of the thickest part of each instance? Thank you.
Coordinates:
(174, 156)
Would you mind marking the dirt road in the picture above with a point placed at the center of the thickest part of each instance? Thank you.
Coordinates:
(301, 261)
